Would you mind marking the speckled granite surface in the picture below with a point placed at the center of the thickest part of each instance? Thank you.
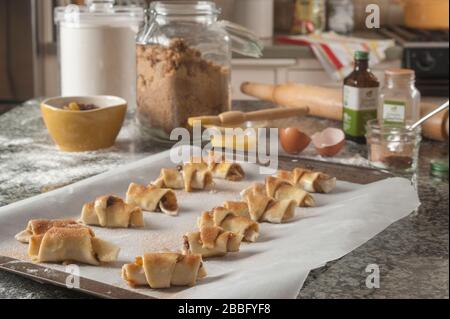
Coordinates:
(412, 254)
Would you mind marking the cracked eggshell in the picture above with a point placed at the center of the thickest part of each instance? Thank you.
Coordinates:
(329, 142)
(293, 140)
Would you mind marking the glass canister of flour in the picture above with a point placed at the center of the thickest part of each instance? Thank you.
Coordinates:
(183, 65)
(96, 49)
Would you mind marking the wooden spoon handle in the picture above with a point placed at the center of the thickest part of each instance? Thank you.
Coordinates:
(237, 117)
(205, 120)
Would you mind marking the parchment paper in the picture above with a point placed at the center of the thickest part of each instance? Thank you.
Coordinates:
(276, 266)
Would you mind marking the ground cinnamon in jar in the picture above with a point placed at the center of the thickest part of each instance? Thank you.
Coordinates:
(174, 83)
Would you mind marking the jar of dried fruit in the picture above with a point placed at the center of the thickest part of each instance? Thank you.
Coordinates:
(183, 64)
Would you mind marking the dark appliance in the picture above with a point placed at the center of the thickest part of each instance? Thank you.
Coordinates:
(426, 52)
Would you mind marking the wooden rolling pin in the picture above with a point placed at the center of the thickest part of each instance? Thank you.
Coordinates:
(235, 118)
(322, 102)
(327, 103)
(436, 128)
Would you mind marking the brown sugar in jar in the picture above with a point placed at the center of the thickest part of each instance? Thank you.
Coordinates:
(174, 83)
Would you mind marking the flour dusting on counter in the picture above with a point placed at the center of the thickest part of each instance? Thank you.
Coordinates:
(31, 164)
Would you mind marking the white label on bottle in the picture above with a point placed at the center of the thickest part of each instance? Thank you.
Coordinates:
(394, 111)
(360, 106)
(359, 99)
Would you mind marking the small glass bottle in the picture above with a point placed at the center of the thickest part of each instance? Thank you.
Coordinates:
(361, 99)
(399, 100)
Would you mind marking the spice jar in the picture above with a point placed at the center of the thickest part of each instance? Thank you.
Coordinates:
(393, 147)
(399, 100)
(309, 16)
(184, 63)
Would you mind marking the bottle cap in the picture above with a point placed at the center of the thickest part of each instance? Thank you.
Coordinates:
(361, 55)
(400, 73)
(439, 168)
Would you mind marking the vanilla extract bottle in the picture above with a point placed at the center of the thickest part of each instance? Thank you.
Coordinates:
(360, 98)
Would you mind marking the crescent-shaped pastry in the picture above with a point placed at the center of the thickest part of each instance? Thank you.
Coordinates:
(230, 221)
(279, 211)
(111, 212)
(257, 201)
(190, 176)
(153, 199)
(281, 189)
(71, 244)
(222, 169)
(262, 208)
(229, 171)
(163, 270)
(237, 207)
(313, 182)
(41, 226)
(211, 242)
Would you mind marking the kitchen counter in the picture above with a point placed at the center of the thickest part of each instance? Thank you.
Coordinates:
(412, 254)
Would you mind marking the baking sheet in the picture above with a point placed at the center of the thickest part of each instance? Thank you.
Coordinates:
(276, 266)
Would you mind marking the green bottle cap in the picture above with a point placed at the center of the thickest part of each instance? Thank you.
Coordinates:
(439, 168)
(361, 55)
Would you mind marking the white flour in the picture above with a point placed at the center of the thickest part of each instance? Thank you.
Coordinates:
(98, 60)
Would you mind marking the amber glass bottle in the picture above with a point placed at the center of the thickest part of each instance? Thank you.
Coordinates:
(361, 98)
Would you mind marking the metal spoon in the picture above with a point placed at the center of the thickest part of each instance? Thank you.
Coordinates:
(429, 115)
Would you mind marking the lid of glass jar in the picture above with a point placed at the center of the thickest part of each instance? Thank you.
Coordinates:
(99, 12)
(399, 72)
(243, 41)
(184, 7)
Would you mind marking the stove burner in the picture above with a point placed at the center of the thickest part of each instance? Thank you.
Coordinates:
(426, 52)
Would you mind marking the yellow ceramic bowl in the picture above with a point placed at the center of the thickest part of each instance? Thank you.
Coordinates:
(78, 131)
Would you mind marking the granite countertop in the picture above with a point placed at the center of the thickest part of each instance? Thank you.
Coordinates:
(412, 254)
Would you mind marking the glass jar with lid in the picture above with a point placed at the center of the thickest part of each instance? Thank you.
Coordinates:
(399, 100)
(184, 63)
(96, 49)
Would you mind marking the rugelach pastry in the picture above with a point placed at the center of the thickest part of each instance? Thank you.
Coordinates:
(230, 221)
(310, 181)
(152, 199)
(41, 226)
(262, 208)
(111, 212)
(71, 244)
(281, 189)
(164, 270)
(239, 208)
(222, 169)
(188, 176)
(211, 242)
